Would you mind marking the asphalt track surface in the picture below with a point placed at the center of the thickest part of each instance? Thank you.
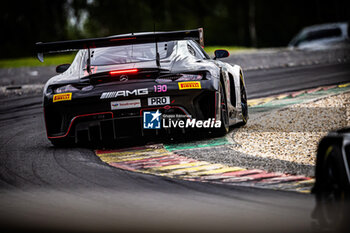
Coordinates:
(46, 188)
(261, 83)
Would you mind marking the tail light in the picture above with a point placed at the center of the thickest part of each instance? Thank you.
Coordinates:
(179, 77)
(190, 77)
(120, 72)
(66, 88)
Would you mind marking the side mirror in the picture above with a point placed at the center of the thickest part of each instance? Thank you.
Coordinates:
(221, 53)
(62, 68)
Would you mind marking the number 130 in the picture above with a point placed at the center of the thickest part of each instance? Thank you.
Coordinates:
(160, 88)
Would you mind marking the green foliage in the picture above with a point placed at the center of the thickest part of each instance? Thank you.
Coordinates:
(231, 49)
(23, 23)
(68, 58)
(225, 22)
(32, 61)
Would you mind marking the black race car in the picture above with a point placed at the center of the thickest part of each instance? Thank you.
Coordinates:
(332, 186)
(141, 84)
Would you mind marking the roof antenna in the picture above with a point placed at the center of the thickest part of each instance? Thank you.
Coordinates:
(156, 41)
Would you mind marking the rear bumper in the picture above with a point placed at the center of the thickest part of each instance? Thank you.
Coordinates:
(88, 116)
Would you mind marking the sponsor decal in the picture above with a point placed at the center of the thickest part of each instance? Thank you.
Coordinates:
(62, 97)
(124, 104)
(162, 100)
(125, 93)
(189, 85)
(157, 120)
(151, 119)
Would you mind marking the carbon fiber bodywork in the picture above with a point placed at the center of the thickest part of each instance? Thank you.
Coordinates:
(85, 112)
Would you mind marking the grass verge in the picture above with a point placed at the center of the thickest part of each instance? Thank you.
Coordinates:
(33, 61)
(68, 58)
(232, 49)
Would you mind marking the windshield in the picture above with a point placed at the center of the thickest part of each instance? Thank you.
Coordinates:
(130, 53)
(318, 35)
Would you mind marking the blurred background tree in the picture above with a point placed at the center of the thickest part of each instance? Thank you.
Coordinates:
(25, 22)
(254, 23)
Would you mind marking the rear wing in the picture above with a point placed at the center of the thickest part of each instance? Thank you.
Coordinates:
(139, 38)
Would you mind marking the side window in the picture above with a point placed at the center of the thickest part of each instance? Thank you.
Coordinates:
(199, 50)
(191, 50)
(325, 33)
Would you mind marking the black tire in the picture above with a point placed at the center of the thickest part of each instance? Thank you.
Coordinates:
(225, 126)
(62, 142)
(331, 197)
(244, 104)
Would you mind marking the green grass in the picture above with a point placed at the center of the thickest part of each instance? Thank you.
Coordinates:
(68, 58)
(232, 49)
(33, 61)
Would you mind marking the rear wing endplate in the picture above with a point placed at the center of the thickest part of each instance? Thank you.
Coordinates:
(69, 45)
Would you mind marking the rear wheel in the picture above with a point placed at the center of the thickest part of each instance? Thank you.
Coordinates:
(62, 142)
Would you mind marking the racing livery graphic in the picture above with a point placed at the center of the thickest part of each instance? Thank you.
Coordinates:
(116, 85)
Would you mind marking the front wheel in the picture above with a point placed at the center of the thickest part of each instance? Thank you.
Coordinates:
(244, 105)
(225, 127)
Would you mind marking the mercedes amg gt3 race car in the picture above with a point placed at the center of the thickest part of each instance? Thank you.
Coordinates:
(140, 84)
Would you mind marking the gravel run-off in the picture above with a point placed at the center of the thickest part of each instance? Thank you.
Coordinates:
(293, 133)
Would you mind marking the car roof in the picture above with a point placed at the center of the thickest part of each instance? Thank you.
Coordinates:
(342, 25)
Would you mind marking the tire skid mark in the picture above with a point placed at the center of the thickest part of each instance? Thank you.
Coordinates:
(156, 160)
(12, 177)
